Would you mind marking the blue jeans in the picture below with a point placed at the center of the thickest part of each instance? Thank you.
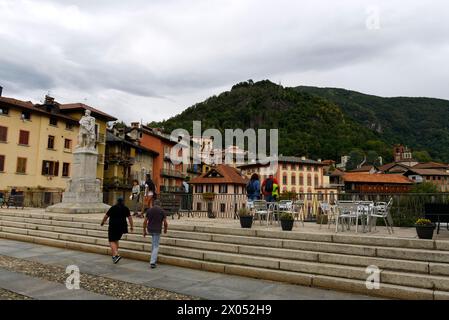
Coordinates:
(269, 198)
(155, 237)
(253, 197)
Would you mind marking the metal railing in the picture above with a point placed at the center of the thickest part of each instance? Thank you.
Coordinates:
(172, 173)
(406, 208)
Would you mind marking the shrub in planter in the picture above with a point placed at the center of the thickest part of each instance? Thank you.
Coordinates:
(424, 228)
(287, 221)
(246, 219)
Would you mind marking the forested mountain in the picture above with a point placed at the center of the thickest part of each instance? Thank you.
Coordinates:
(324, 123)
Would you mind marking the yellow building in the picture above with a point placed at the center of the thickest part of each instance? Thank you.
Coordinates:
(37, 140)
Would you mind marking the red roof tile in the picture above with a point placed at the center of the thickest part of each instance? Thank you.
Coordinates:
(376, 178)
(226, 173)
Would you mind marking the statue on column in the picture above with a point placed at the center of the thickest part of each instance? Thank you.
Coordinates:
(87, 134)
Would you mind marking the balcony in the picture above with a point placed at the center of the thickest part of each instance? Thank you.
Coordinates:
(117, 183)
(172, 173)
(120, 158)
(194, 169)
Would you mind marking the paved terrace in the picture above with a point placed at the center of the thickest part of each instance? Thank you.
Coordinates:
(309, 227)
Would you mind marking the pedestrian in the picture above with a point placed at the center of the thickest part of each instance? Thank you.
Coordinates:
(275, 192)
(155, 218)
(135, 197)
(149, 193)
(253, 188)
(117, 215)
(267, 188)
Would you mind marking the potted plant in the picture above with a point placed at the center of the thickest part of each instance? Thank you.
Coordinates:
(246, 218)
(287, 221)
(424, 228)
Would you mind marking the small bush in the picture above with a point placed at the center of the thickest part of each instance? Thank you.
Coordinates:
(423, 222)
(286, 216)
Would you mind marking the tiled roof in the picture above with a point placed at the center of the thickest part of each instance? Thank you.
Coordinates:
(299, 160)
(227, 174)
(366, 168)
(430, 165)
(82, 106)
(28, 105)
(376, 178)
(388, 166)
(428, 172)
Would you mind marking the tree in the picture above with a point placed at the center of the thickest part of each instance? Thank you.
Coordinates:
(372, 157)
(356, 157)
(422, 156)
(425, 187)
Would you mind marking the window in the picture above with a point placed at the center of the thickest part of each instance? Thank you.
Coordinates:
(65, 169)
(316, 180)
(24, 137)
(300, 167)
(309, 180)
(51, 142)
(309, 168)
(4, 110)
(21, 165)
(26, 115)
(222, 207)
(210, 188)
(284, 166)
(3, 134)
(67, 144)
(198, 206)
(293, 179)
(69, 125)
(301, 179)
(284, 179)
(223, 188)
(53, 121)
(199, 188)
(2, 163)
(50, 168)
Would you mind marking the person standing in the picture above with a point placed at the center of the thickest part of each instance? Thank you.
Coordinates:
(253, 188)
(267, 188)
(149, 193)
(275, 193)
(135, 197)
(117, 215)
(155, 218)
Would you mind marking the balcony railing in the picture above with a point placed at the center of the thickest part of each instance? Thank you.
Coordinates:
(172, 173)
(120, 158)
(117, 183)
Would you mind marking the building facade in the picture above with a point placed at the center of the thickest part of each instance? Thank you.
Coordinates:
(36, 144)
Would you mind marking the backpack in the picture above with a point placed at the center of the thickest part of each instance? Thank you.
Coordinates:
(269, 185)
(250, 189)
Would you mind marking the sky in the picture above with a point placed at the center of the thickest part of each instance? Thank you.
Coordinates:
(142, 60)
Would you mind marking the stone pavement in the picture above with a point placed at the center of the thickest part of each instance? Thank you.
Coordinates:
(206, 285)
(41, 289)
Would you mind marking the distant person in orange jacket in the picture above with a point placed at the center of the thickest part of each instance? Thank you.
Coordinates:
(267, 188)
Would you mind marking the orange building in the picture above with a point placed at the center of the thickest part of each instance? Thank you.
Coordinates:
(167, 176)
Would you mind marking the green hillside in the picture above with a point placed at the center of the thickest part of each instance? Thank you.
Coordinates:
(420, 123)
(308, 124)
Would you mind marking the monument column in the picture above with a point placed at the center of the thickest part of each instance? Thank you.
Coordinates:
(83, 193)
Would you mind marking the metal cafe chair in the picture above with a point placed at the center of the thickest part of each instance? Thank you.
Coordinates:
(298, 211)
(260, 210)
(382, 210)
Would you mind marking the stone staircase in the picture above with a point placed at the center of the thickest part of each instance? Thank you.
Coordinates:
(410, 268)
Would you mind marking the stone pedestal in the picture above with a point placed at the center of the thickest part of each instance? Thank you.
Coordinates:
(83, 193)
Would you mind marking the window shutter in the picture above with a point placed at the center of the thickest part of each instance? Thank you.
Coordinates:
(3, 133)
(56, 171)
(43, 167)
(2, 163)
(24, 137)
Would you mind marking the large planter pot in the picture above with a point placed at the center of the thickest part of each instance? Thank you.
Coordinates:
(246, 221)
(287, 225)
(425, 232)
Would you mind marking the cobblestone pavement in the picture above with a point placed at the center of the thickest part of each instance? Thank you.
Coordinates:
(96, 284)
(9, 295)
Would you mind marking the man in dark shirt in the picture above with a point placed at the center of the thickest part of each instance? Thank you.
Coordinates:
(117, 215)
(154, 219)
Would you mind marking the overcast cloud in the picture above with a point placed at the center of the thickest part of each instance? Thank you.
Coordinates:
(149, 60)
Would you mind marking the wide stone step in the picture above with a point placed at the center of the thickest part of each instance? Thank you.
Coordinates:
(391, 277)
(328, 282)
(353, 239)
(352, 260)
(424, 256)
